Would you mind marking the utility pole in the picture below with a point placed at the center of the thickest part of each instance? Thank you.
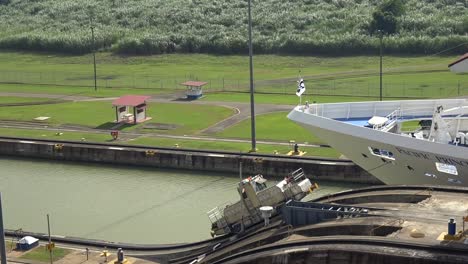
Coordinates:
(240, 167)
(94, 58)
(252, 103)
(380, 37)
(2, 235)
(50, 240)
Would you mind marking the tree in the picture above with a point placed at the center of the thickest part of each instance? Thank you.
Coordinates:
(4, 2)
(395, 7)
(462, 28)
(385, 22)
(385, 16)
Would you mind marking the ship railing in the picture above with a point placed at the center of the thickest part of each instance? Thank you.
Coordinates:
(312, 109)
(298, 175)
(216, 215)
(409, 109)
(392, 118)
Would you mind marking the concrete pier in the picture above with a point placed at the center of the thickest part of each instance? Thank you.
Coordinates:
(226, 162)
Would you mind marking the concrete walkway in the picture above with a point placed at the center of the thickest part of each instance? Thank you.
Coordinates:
(73, 97)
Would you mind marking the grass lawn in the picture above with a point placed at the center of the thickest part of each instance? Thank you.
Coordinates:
(190, 118)
(77, 90)
(331, 76)
(409, 84)
(41, 254)
(90, 114)
(354, 75)
(203, 66)
(275, 126)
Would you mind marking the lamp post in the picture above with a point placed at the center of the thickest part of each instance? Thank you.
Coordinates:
(2, 235)
(94, 58)
(252, 104)
(380, 52)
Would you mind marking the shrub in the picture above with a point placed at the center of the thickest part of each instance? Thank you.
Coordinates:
(297, 27)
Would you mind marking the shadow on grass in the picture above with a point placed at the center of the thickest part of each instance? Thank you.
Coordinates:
(107, 125)
(183, 99)
(110, 125)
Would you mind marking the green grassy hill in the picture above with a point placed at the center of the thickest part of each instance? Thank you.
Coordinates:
(208, 26)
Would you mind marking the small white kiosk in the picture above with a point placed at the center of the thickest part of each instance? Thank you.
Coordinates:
(123, 107)
(194, 89)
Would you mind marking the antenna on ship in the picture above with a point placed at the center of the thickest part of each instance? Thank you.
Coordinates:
(300, 88)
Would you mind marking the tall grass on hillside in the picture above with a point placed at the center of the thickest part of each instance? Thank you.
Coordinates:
(338, 27)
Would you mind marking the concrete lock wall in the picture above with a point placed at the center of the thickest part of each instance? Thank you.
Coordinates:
(277, 167)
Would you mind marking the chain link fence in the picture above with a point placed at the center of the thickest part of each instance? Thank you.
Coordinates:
(362, 87)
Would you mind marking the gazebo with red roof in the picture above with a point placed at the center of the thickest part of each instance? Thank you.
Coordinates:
(125, 103)
(194, 89)
(460, 65)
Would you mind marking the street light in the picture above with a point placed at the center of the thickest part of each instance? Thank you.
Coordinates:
(380, 37)
(94, 58)
(2, 235)
(252, 104)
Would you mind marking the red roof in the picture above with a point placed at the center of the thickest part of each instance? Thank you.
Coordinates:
(194, 83)
(462, 58)
(131, 100)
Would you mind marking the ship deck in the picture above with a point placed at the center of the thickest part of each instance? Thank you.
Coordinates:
(363, 121)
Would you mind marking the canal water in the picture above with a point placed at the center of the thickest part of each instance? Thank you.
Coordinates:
(116, 203)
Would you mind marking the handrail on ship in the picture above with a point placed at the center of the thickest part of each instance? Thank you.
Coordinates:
(392, 118)
(417, 109)
(309, 108)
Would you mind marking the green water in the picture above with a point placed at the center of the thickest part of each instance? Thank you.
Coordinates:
(116, 203)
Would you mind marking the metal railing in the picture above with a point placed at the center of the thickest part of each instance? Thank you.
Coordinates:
(393, 117)
(325, 87)
(298, 175)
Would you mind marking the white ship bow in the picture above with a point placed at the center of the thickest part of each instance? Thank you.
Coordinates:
(369, 133)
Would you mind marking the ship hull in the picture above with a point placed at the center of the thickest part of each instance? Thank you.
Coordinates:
(413, 161)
